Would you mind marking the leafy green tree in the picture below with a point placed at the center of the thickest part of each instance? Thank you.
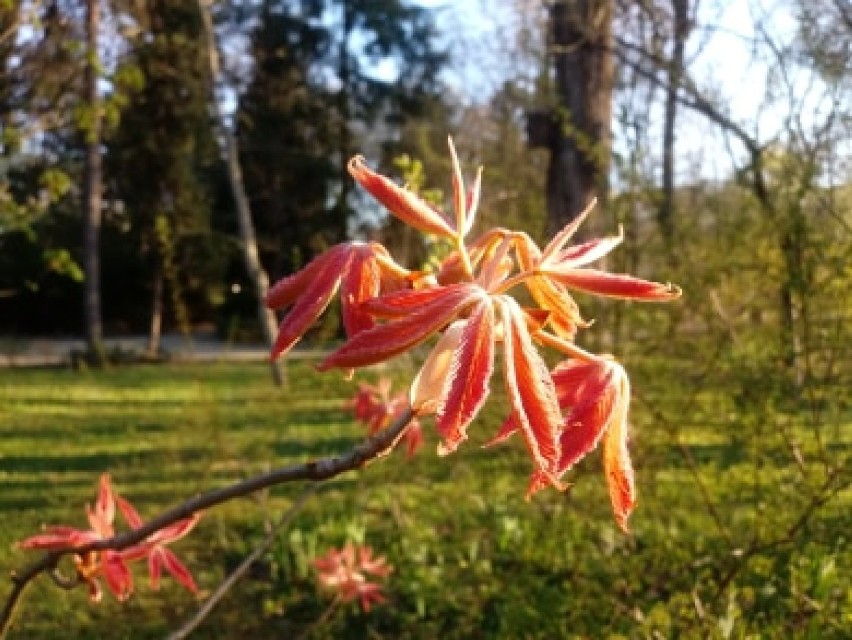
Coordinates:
(162, 150)
(313, 101)
(40, 87)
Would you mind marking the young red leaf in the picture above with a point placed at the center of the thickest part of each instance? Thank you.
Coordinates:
(391, 339)
(361, 282)
(467, 381)
(530, 389)
(345, 573)
(593, 403)
(558, 241)
(284, 292)
(402, 303)
(313, 299)
(613, 285)
(459, 195)
(116, 574)
(162, 557)
(568, 378)
(405, 205)
(588, 252)
(617, 465)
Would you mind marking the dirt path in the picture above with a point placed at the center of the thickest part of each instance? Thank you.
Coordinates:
(40, 352)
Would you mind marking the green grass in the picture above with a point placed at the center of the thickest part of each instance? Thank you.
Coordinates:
(719, 491)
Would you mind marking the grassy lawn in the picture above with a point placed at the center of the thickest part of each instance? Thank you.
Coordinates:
(717, 548)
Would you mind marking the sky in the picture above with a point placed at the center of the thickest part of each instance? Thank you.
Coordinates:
(721, 58)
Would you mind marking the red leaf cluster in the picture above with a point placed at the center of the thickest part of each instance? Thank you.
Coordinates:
(112, 565)
(377, 408)
(345, 572)
(468, 303)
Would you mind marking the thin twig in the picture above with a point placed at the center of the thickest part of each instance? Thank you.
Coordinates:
(829, 489)
(325, 617)
(205, 609)
(316, 470)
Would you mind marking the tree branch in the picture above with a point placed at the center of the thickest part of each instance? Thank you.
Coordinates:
(696, 101)
(251, 256)
(832, 485)
(315, 470)
(283, 522)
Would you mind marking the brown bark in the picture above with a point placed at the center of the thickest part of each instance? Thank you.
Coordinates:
(581, 138)
(156, 328)
(251, 257)
(92, 193)
(680, 31)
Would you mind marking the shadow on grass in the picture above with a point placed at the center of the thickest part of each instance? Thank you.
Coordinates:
(724, 456)
(305, 449)
(91, 462)
(91, 431)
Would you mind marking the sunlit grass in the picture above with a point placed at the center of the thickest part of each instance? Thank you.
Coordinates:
(472, 558)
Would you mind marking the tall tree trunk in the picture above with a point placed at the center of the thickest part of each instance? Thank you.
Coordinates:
(344, 137)
(680, 31)
(258, 276)
(156, 328)
(581, 138)
(92, 193)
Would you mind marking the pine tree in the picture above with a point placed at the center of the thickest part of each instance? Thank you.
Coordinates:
(163, 147)
(314, 100)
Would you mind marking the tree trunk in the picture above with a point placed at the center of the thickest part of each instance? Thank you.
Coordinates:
(581, 135)
(344, 137)
(156, 329)
(680, 31)
(92, 194)
(256, 273)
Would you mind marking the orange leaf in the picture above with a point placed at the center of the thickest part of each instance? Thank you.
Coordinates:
(530, 388)
(467, 382)
(405, 205)
(617, 465)
(388, 340)
(613, 285)
(401, 303)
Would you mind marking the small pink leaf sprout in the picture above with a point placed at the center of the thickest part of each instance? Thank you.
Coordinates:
(345, 573)
(375, 407)
(109, 564)
(469, 306)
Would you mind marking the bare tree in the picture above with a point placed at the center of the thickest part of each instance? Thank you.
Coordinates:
(255, 269)
(92, 192)
(580, 137)
(680, 32)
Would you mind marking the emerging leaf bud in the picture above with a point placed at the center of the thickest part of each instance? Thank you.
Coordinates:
(425, 393)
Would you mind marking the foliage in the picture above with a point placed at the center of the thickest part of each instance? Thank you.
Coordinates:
(160, 156)
(313, 98)
(160, 152)
(561, 414)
